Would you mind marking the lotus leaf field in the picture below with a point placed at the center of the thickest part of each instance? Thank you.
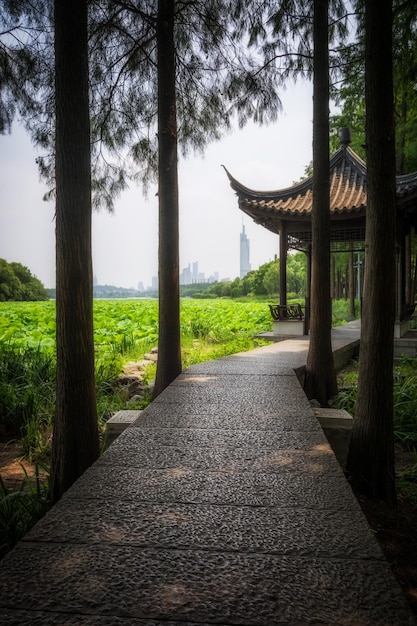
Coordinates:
(131, 326)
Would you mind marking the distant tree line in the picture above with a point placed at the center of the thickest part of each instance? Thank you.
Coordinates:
(18, 283)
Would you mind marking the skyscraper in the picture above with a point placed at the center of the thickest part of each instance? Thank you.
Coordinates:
(244, 253)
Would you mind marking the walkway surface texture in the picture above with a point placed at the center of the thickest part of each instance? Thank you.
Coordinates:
(222, 504)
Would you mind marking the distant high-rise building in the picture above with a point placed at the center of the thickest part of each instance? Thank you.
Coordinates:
(186, 276)
(195, 276)
(244, 253)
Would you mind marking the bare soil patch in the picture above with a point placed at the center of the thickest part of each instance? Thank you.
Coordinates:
(13, 465)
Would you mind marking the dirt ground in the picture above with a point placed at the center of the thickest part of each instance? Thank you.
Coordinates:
(394, 528)
(12, 462)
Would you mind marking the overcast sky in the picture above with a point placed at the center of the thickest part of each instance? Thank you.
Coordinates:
(125, 244)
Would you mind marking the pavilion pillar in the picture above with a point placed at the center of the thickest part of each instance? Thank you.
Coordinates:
(283, 248)
(407, 246)
(351, 282)
(401, 270)
(308, 291)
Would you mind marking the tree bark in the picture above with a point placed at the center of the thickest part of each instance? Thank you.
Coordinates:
(169, 342)
(75, 437)
(320, 379)
(370, 463)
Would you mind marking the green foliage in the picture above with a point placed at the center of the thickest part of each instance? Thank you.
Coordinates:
(27, 395)
(223, 320)
(348, 387)
(19, 71)
(264, 282)
(340, 312)
(218, 80)
(271, 278)
(22, 507)
(297, 273)
(405, 416)
(17, 283)
(404, 393)
(350, 92)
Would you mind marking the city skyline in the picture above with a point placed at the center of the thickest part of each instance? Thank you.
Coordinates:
(191, 274)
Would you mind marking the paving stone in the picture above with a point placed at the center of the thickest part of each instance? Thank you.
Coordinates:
(201, 586)
(43, 618)
(271, 395)
(235, 403)
(221, 438)
(184, 485)
(274, 358)
(300, 532)
(296, 456)
(211, 415)
(238, 364)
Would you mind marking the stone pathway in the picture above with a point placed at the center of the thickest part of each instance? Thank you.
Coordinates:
(222, 504)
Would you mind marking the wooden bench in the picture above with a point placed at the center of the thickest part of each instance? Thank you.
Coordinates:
(282, 313)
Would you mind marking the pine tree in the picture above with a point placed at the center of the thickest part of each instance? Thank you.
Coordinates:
(75, 436)
(370, 463)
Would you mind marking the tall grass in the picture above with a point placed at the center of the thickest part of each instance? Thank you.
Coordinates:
(405, 417)
(27, 396)
(22, 507)
(404, 394)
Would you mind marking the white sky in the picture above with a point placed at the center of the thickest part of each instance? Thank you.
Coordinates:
(125, 244)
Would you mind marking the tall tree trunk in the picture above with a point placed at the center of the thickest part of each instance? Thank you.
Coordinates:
(169, 343)
(75, 437)
(370, 463)
(320, 380)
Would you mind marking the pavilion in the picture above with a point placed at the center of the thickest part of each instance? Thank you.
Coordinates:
(287, 212)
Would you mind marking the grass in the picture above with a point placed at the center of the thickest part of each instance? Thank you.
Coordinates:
(22, 507)
(27, 397)
(405, 420)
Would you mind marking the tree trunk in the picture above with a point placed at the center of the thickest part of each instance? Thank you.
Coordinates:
(320, 380)
(169, 343)
(370, 463)
(75, 437)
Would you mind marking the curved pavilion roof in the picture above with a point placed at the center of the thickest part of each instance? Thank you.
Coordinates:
(348, 198)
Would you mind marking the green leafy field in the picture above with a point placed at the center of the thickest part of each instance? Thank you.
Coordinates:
(123, 326)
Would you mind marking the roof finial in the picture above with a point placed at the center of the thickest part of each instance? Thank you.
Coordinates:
(345, 136)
